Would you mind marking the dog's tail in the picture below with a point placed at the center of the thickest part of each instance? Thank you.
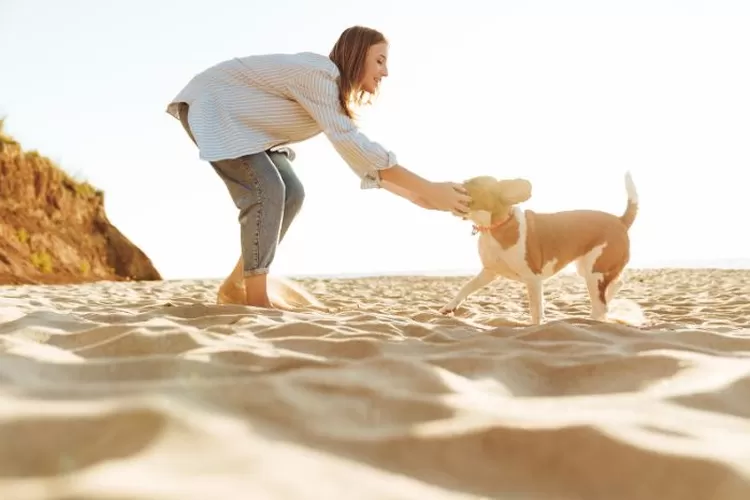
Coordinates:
(631, 211)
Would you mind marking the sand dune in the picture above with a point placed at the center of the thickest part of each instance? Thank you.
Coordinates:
(152, 391)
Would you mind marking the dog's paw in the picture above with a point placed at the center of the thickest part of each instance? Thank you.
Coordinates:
(447, 309)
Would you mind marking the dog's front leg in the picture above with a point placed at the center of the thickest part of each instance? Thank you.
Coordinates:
(484, 278)
(534, 290)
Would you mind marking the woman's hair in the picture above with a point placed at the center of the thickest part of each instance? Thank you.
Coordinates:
(349, 54)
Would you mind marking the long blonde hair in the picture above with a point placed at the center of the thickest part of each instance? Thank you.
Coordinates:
(349, 54)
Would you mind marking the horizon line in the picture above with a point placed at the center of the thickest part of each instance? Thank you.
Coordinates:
(738, 264)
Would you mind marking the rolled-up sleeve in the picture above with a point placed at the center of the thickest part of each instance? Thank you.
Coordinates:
(317, 91)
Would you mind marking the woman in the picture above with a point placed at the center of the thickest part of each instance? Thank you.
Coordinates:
(242, 112)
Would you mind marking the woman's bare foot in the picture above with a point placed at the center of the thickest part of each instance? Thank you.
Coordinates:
(247, 291)
(233, 292)
(271, 304)
(235, 295)
(256, 291)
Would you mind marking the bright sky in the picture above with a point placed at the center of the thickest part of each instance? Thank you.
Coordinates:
(566, 94)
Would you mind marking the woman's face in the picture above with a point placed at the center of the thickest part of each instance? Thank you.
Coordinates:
(376, 67)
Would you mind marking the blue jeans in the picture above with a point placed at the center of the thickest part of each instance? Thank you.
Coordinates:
(268, 195)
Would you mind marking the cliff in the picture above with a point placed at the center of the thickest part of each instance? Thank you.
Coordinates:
(54, 229)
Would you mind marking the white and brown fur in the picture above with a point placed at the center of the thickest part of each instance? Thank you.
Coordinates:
(530, 247)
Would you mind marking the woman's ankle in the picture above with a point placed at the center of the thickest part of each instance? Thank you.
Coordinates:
(256, 290)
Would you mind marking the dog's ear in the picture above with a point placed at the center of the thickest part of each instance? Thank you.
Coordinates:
(513, 191)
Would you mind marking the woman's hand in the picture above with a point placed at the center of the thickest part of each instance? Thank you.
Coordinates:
(447, 197)
(443, 196)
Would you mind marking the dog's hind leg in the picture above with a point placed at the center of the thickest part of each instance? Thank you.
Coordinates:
(596, 286)
(601, 287)
(613, 288)
(602, 268)
(484, 278)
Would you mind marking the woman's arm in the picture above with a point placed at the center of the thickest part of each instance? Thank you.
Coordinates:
(317, 92)
(405, 179)
(444, 196)
(406, 194)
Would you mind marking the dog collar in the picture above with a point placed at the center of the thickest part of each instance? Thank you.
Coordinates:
(476, 228)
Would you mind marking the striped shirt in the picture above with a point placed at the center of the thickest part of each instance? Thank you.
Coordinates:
(252, 104)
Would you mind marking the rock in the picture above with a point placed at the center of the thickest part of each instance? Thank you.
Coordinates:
(54, 229)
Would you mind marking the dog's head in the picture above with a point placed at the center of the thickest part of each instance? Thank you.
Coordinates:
(493, 196)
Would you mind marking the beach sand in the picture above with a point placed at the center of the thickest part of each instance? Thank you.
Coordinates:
(150, 390)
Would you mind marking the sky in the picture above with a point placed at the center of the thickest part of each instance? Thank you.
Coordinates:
(568, 95)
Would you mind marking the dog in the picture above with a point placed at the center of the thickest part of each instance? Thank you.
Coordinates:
(530, 247)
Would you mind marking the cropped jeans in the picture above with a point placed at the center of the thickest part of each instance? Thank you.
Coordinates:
(268, 195)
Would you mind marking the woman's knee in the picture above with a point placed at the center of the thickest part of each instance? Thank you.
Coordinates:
(294, 190)
(295, 196)
(266, 187)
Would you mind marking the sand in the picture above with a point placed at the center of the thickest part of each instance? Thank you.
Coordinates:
(152, 391)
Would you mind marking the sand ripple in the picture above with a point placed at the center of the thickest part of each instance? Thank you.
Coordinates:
(151, 391)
